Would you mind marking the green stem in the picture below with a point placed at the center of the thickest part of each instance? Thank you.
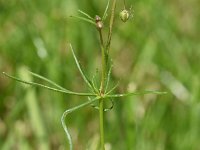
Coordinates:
(101, 115)
(103, 61)
(103, 73)
(104, 70)
(101, 107)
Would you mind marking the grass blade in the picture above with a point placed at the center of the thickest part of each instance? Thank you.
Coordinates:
(68, 111)
(47, 87)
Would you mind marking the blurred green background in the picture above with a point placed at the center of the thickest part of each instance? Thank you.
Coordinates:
(158, 49)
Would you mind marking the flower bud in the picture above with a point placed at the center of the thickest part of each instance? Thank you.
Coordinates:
(99, 23)
(124, 15)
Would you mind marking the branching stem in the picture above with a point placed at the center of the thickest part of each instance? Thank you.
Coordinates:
(104, 53)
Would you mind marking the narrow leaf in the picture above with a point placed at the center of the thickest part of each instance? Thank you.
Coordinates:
(47, 80)
(112, 88)
(82, 12)
(81, 71)
(84, 19)
(94, 84)
(106, 10)
(47, 87)
(135, 93)
(70, 111)
(108, 77)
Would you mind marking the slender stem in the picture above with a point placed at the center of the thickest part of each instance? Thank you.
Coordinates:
(103, 73)
(104, 70)
(101, 115)
(101, 107)
(101, 38)
(103, 61)
(124, 4)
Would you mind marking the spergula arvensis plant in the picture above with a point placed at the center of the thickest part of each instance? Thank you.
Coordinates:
(95, 94)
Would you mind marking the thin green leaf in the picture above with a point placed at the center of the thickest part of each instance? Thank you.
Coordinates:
(94, 84)
(81, 71)
(47, 80)
(135, 93)
(70, 111)
(47, 87)
(108, 77)
(85, 19)
(111, 25)
(82, 12)
(106, 10)
(112, 88)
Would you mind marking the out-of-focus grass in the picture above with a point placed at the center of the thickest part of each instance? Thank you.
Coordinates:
(158, 49)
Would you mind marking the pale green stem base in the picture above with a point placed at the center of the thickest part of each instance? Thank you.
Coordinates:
(101, 115)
